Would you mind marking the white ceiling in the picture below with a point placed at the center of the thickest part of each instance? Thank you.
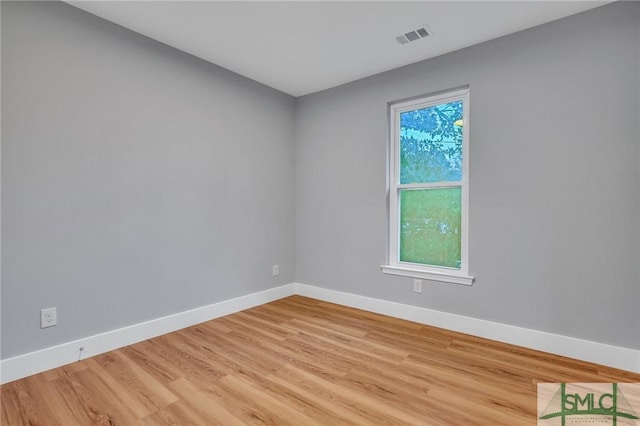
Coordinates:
(301, 47)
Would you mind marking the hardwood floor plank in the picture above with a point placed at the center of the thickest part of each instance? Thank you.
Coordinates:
(299, 361)
(328, 408)
(135, 381)
(257, 326)
(60, 396)
(99, 403)
(202, 404)
(302, 402)
(282, 413)
(25, 408)
(123, 397)
(370, 409)
(356, 343)
(475, 411)
(334, 398)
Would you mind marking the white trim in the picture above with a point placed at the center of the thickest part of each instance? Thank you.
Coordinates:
(394, 265)
(55, 356)
(439, 274)
(443, 184)
(599, 353)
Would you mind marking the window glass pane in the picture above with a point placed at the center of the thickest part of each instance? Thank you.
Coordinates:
(431, 144)
(430, 226)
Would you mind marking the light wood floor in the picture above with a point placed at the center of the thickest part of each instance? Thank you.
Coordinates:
(299, 361)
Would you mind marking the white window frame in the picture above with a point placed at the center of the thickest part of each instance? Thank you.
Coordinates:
(394, 266)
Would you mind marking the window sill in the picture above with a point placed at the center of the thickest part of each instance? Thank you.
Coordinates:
(453, 277)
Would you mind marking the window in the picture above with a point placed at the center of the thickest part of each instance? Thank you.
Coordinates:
(428, 188)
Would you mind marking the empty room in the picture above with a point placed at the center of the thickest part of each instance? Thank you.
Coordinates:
(320, 213)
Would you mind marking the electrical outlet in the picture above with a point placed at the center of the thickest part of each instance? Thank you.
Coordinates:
(48, 317)
(276, 270)
(417, 286)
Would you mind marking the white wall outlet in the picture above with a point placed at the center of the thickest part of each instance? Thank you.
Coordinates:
(417, 286)
(48, 317)
(276, 270)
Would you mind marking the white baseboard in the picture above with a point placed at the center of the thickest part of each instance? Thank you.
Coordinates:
(45, 359)
(599, 353)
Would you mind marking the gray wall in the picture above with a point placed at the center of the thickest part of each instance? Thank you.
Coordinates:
(137, 181)
(554, 189)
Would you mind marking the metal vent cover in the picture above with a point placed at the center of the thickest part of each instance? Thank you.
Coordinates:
(414, 35)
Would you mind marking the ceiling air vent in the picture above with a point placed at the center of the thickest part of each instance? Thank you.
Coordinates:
(414, 35)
